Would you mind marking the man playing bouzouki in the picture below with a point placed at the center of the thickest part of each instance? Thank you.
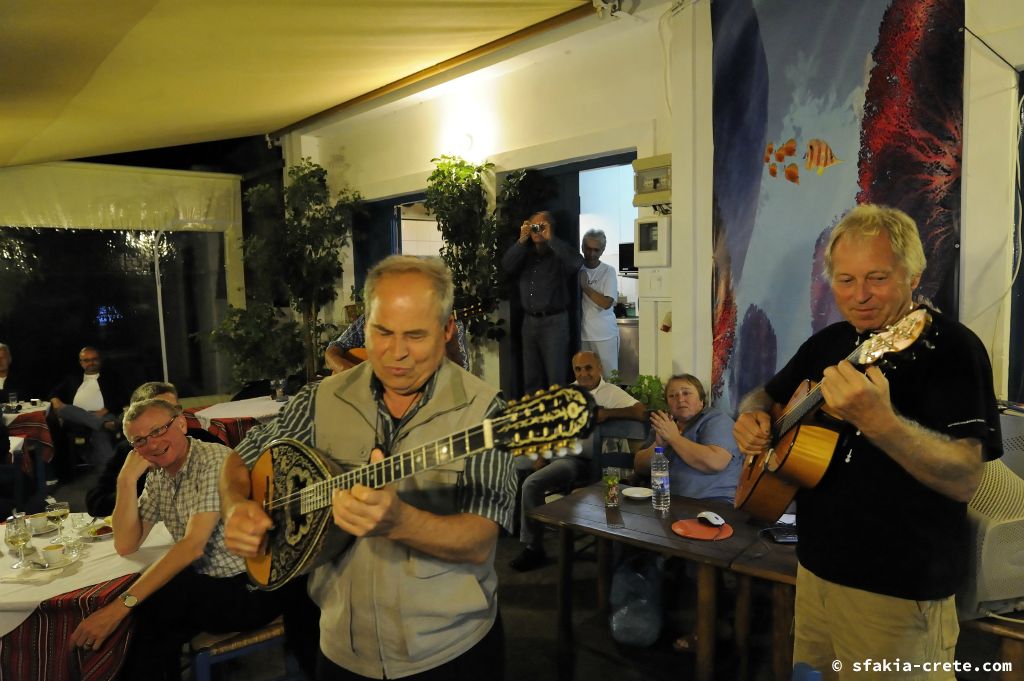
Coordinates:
(883, 535)
(415, 595)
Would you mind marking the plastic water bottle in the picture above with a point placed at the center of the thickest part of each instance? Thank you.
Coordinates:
(662, 495)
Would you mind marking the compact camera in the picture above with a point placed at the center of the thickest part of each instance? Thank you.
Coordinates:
(535, 228)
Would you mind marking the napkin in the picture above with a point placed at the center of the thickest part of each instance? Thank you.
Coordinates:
(29, 576)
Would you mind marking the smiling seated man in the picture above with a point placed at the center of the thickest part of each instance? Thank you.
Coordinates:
(197, 585)
(612, 403)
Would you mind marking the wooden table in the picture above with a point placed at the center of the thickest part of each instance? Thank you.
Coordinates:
(775, 563)
(636, 523)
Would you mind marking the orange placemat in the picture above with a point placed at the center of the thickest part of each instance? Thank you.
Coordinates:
(698, 529)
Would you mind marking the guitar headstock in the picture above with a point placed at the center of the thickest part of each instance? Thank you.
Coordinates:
(895, 338)
(547, 422)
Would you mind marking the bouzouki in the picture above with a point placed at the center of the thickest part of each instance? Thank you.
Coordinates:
(294, 483)
(805, 436)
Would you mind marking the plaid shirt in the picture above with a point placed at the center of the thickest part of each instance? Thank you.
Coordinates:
(193, 490)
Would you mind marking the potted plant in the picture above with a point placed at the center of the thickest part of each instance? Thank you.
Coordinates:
(458, 201)
(303, 255)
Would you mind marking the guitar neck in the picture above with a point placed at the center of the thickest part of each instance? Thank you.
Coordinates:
(809, 403)
(404, 465)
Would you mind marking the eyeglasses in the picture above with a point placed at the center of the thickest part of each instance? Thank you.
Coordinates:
(140, 442)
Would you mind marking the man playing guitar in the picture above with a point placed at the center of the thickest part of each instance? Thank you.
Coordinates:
(883, 535)
(416, 592)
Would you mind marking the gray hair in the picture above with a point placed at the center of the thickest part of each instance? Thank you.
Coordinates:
(431, 267)
(596, 234)
(137, 409)
(148, 391)
(869, 220)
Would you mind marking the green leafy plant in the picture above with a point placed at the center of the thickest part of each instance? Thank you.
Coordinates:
(456, 197)
(302, 253)
(650, 391)
(261, 341)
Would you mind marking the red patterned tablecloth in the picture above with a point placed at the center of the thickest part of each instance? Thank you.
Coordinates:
(230, 430)
(38, 440)
(38, 649)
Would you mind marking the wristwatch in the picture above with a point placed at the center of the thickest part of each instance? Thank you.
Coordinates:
(129, 600)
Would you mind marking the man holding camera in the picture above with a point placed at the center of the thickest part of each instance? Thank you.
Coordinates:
(543, 263)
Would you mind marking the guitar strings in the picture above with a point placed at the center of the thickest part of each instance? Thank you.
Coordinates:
(801, 408)
(345, 480)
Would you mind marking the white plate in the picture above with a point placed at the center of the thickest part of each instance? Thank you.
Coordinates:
(89, 533)
(50, 527)
(35, 565)
(637, 492)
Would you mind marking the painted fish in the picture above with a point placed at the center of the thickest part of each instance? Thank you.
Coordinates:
(819, 156)
(793, 173)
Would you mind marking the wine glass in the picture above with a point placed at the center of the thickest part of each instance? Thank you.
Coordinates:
(57, 512)
(17, 535)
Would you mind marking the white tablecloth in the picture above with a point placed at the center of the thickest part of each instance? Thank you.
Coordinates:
(262, 409)
(97, 563)
(26, 408)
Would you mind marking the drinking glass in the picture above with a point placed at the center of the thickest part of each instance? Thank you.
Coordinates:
(12, 397)
(611, 477)
(17, 535)
(57, 512)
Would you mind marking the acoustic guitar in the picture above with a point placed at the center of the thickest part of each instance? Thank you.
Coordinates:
(804, 436)
(293, 482)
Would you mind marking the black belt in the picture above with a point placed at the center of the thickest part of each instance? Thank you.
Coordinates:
(549, 313)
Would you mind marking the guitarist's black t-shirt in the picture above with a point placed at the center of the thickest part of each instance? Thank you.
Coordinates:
(869, 524)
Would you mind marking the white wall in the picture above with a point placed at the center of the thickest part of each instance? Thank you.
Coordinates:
(598, 87)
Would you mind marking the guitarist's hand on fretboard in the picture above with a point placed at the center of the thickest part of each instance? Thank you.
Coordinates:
(364, 511)
(753, 432)
(860, 398)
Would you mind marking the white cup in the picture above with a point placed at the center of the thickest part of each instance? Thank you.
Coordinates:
(38, 522)
(54, 554)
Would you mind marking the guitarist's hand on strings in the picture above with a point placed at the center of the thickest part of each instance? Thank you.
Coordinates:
(858, 398)
(245, 528)
(753, 432)
(363, 511)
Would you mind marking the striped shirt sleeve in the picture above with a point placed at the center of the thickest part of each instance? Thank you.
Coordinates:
(488, 484)
(294, 421)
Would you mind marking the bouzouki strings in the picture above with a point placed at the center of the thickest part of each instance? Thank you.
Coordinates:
(383, 472)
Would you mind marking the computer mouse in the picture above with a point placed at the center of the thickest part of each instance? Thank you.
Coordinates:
(711, 518)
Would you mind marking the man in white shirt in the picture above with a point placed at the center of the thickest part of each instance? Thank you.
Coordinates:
(612, 403)
(91, 403)
(598, 331)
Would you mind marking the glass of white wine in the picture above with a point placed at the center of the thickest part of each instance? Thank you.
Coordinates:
(57, 512)
(17, 535)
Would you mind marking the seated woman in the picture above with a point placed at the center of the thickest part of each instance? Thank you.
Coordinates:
(704, 462)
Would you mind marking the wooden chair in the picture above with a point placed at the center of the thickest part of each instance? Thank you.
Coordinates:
(210, 649)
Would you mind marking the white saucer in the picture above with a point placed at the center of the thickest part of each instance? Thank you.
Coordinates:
(36, 566)
(637, 492)
(50, 527)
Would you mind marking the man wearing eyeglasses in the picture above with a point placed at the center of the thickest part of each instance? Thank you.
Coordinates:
(197, 585)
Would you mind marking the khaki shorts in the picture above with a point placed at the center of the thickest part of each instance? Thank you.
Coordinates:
(886, 637)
